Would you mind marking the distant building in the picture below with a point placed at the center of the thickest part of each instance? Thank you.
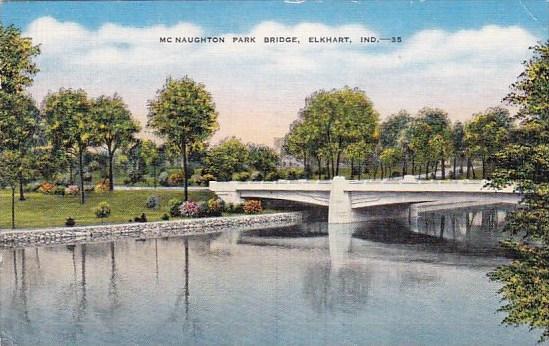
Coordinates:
(285, 160)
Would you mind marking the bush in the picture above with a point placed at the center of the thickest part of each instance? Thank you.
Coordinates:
(215, 207)
(173, 207)
(59, 190)
(70, 222)
(175, 179)
(190, 209)
(241, 176)
(152, 202)
(103, 210)
(165, 217)
(252, 206)
(46, 187)
(101, 187)
(72, 190)
(206, 178)
(163, 178)
(272, 176)
(256, 176)
(87, 177)
(234, 208)
(142, 218)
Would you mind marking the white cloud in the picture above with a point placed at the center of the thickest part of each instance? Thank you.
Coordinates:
(463, 71)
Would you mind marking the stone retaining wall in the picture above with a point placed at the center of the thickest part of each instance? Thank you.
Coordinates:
(69, 235)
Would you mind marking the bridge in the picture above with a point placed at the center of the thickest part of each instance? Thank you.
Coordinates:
(360, 200)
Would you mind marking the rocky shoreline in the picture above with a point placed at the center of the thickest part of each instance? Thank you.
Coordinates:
(70, 235)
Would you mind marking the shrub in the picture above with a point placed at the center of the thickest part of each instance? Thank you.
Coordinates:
(206, 178)
(101, 187)
(163, 178)
(70, 222)
(142, 218)
(72, 190)
(59, 190)
(252, 206)
(46, 187)
(87, 177)
(165, 217)
(241, 176)
(190, 209)
(234, 208)
(256, 176)
(173, 206)
(215, 207)
(152, 202)
(103, 210)
(175, 179)
(271, 176)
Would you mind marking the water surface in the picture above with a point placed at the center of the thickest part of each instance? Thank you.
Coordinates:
(386, 282)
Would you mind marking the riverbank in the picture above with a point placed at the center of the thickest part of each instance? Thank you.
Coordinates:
(49, 210)
(71, 235)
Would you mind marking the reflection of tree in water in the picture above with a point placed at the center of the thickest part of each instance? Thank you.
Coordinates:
(189, 324)
(328, 290)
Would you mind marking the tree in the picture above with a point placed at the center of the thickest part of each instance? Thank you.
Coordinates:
(10, 165)
(151, 155)
(335, 119)
(183, 114)
(488, 132)
(417, 135)
(440, 141)
(17, 67)
(19, 123)
(228, 157)
(67, 114)
(458, 146)
(262, 158)
(525, 163)
(114, 127)
(392, 136)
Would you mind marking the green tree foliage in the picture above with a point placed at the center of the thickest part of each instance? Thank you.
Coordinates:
(151, 156)
(228, 157)
(262, 158)
(458, 146)
(439, 133)
(330, 123)
(17, 67)
(67, 114)
(114, 125)
(525, 163)
(183, 114)
(392, 135)
(19, 125)
(487, 132)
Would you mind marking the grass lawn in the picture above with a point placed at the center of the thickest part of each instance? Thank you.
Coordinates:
(41, 210)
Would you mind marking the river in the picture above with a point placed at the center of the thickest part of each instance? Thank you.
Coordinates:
(384, 282)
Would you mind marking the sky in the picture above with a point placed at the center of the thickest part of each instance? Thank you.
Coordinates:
(459, 56)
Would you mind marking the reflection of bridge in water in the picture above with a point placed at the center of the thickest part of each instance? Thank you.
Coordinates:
(460, 231)
(351, 201)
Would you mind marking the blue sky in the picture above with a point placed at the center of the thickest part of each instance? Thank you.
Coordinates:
(460, 56)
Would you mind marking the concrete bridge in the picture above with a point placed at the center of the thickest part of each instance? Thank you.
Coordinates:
(360, 200)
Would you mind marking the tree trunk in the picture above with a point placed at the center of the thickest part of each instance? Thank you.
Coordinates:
(413, 165)
(443, 168)
(460, 164)
(359, 170)
(436, 169)
(111, 176)
(352, 168)
(455, 163)
(382, 169)
(21, 189)
(427, 170)
(338, 158)
(468, 174)
(185, 171)
(81, 169)
(155, 183)
(71, 175)
(328, 171)
(13, 207)
(483, 167)
(319, 160)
